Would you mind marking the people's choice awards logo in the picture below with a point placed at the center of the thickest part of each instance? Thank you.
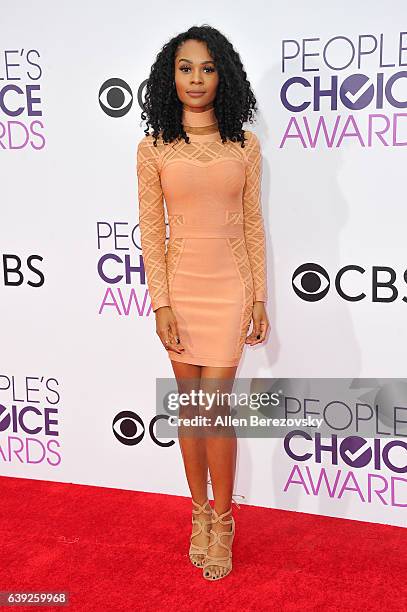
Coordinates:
(377, 486)
(30, 409)
(21, 112)
(340, 461)
(344, 90)
(120, 270)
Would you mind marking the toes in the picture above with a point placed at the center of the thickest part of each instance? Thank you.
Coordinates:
(214, 572)
(196, 560)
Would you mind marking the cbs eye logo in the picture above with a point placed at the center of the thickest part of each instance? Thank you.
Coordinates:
(116, 97)
(128, 428)
(310, 282)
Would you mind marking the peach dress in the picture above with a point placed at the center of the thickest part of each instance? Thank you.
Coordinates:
(214, 266)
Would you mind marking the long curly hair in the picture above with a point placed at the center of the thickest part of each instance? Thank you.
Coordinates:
(234, 103)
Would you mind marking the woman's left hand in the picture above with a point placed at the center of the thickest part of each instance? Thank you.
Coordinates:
(260, 324)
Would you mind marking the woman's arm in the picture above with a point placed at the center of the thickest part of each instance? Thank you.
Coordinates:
(152, 223)
(253, 219)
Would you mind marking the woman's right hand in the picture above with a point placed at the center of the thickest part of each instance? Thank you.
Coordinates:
(167, 329)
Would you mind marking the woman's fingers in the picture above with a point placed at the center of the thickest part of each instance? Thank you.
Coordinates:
(169, 344)
(263, 330)
(252, 337)
(167, 330)
(258, 333)
(175, 334)
(168, 340)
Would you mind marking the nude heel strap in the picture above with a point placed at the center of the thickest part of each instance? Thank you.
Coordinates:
(196, 549)
(216, 538)
(201, 508)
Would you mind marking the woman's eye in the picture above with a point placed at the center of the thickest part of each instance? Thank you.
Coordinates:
(208, 68)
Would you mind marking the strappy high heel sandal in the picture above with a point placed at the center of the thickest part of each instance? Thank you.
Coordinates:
(195, 549)
(226, 561)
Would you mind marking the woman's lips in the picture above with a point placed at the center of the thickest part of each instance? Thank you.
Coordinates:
(195, 94)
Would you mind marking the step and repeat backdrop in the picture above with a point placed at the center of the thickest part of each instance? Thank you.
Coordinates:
(79, 352)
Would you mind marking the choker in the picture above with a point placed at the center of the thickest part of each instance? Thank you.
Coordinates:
(202, 129)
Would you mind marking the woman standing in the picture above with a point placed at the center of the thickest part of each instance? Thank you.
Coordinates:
(210, 283)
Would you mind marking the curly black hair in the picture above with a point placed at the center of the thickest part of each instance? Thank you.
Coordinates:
(234, 103)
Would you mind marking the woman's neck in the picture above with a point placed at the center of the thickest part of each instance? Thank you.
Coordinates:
(199, 119)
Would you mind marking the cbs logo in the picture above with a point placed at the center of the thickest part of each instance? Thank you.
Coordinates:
(311, 283)
(15, 270)
(116, 97)
(129, 429)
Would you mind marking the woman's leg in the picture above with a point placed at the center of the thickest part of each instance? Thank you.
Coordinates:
(193, 450)
(221, 447)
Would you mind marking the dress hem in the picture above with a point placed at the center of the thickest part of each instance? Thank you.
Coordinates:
(205, 361)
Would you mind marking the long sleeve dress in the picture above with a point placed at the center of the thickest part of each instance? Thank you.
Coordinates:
(214, 266)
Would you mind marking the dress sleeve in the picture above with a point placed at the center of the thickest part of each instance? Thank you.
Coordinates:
(253, 219)
(152, 223)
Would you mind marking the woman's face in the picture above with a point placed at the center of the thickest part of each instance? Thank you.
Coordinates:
(195, 71)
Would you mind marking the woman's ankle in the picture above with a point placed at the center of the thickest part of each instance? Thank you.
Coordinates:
(223, 510)
(201, 500)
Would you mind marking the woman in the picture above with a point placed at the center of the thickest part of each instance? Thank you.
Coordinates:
(211, 282)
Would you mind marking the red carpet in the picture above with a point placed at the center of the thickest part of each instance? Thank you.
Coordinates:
(121, 550)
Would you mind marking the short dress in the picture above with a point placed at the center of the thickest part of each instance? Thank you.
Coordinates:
(213, 267)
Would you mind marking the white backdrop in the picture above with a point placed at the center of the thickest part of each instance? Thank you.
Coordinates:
(79, 348)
